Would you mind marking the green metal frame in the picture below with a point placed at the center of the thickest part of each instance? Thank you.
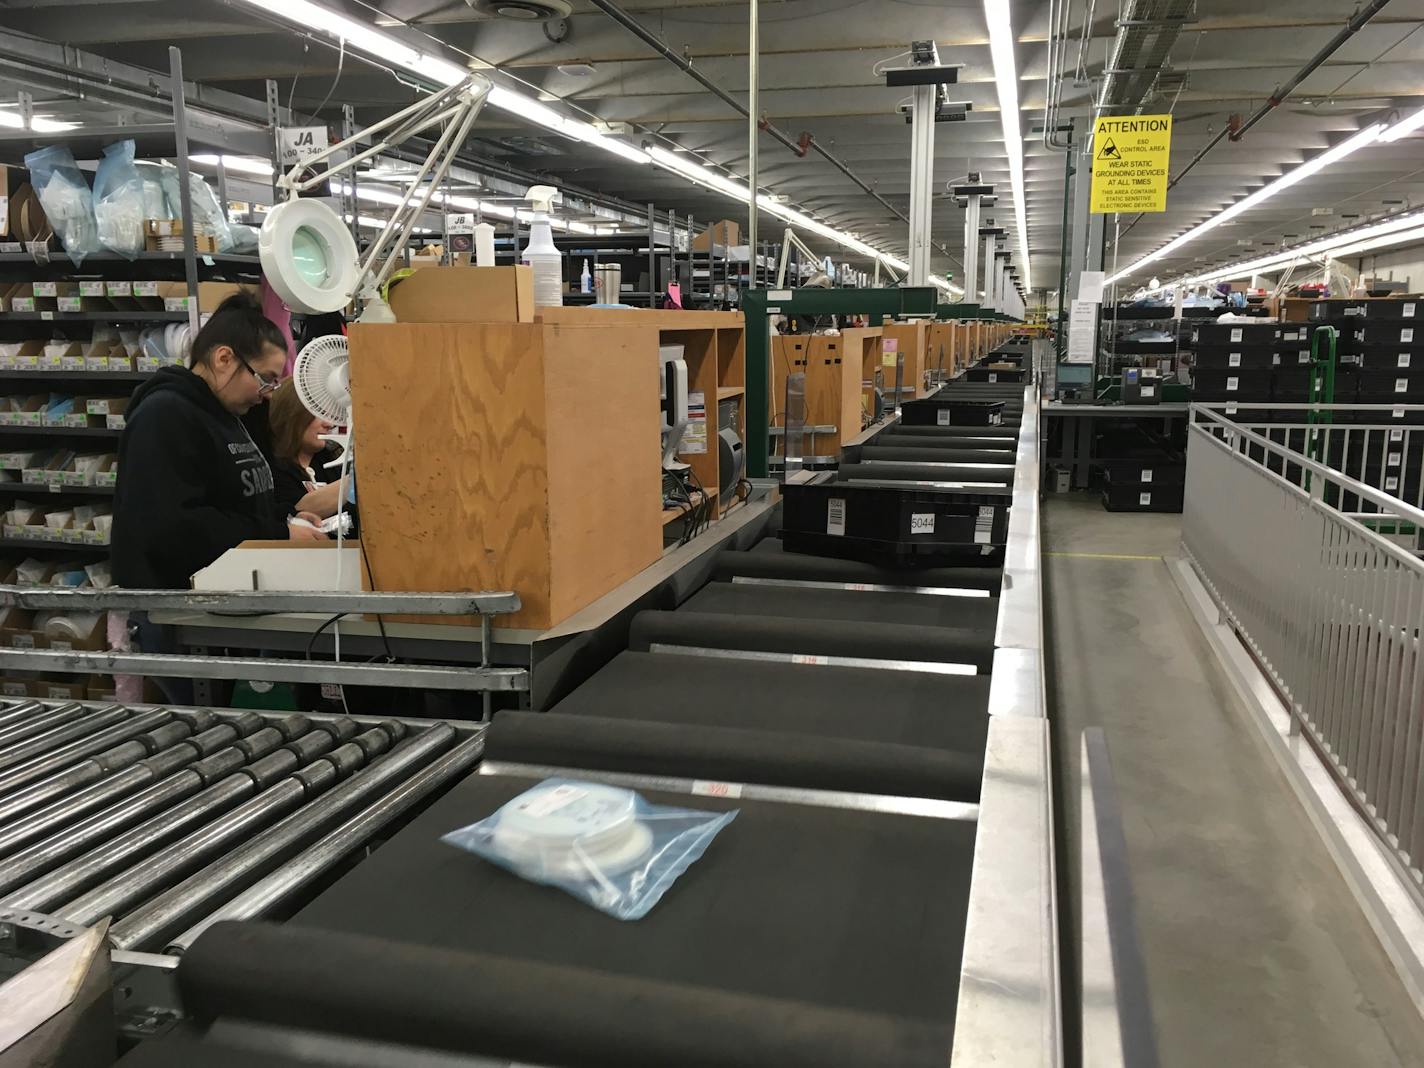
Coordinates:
(759, 305)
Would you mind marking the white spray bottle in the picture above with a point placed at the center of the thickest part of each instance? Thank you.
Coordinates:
(540, 253)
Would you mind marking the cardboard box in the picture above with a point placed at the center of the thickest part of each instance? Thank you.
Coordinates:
(210, 294)
(96, 638)
(465, 295)
(53, 357)
(65, 689)
(723, 234)
(204, 244)
(102, 688)
(108, 473)
(17, 629)
(21, 355)
(11, 687)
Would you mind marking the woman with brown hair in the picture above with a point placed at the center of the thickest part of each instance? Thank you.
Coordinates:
(301, 483)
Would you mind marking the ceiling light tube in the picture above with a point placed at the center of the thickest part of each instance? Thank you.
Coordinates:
(1001, 47)
(14, 121)
(1366, 136)
(1403, 127)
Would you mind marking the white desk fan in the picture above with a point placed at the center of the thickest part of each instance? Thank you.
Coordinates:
(322, 377)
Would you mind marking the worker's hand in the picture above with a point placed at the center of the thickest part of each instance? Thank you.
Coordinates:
(306, 526)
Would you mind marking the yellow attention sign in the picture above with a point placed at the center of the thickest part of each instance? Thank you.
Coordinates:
(1130, 154)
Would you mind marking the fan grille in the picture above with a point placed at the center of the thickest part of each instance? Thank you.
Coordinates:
(321, 378)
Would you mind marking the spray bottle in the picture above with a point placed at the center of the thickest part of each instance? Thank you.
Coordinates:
(585, 280)
(540, 252)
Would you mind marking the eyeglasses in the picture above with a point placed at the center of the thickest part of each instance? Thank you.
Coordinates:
(265, 385)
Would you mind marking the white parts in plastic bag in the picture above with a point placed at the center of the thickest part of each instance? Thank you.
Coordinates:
(563, 831)
(309, 257)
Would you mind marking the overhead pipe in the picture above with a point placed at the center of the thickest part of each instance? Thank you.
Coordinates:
(1280, 93)
(800, 146)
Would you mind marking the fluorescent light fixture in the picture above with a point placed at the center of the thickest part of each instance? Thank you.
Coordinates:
(1376, 235)
(12, 120)
(236, 164)
(1366, 136)
(1001, 46)
(381, 45)
(1404, 127)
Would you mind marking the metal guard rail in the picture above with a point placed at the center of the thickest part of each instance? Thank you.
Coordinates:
(1332, 610)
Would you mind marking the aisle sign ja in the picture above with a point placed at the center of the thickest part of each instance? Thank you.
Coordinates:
(1130, 154)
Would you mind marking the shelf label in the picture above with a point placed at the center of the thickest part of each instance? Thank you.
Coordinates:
(1234, 360)
(1144, 499)
(296, 142)
(984, 525)
(46, 289)
(47, 315)
(121, 289)
(91, 289)
(836, 516)
(1406, 335)
(922, 522)
(716, 789)
(142, 289)
(1130, 157)
(1147, 474)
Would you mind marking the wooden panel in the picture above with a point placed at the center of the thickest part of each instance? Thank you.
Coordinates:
(663, 320)
(788, 356)
(939, 351)
(823, 393)
(912, 339)
(501, 456)
(732, 357)
(450, 432)
(605, 475)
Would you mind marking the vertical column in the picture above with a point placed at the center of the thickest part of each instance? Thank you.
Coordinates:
(921, 175)
(753, 112)
(990, 285)
(971, 248)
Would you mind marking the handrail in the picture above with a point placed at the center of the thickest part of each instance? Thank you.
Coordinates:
(261, 602)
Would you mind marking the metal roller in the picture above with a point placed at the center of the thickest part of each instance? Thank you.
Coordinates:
(148, 770)
(223, 779)
(60, 732)
(128, 888)
(47, 763)
(17, 712)
(37, 724)
(314, 862)
(170, 909)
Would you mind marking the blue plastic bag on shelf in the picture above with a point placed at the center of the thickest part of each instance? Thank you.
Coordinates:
(119, 201)
(604, 845)
(66, 199)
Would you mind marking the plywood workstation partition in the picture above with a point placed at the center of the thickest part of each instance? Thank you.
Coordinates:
(832, 365)
(523, 456)
(913, 340)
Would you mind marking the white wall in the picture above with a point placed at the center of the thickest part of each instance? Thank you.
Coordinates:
(1399, 264)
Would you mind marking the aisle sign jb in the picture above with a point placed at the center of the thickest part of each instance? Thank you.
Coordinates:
(1130, 154)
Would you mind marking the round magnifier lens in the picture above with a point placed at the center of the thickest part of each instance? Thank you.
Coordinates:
(311, 256)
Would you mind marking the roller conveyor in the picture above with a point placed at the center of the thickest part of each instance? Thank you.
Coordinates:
(856, 607)
(769, 561)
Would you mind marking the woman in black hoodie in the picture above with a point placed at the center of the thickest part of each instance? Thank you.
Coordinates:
(191, 482)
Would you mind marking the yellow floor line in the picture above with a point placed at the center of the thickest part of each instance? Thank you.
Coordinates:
(1104, 556)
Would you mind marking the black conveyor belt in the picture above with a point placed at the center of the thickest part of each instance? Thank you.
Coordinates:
(729, 754)
(832, 908)
(816, 637)
(1009, 435)
(434, 998)
(927, 472)
(936, 453)
(768, 559)
(916, 609)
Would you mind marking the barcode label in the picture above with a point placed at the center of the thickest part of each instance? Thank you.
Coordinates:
(1406, 335)
(1407, 311)
(984, 526)
(1396, 433)
(1231, 409)
(716, 789)
(1394, 459)
(943, 416)
(1144, 498)
(1391, 484)
(993, 377)
(807, 658)
(1147, 474)
(1401, 385)
(1397, 413)
(1234, 360)
(835, 516)
(1231, 384)
(1303, 356)
(996, 419)
(331, 691)
(1236, 337)
(1403, 360)
(922, 523)
(1149, 391)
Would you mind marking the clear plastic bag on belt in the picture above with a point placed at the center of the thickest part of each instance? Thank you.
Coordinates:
(605, 845)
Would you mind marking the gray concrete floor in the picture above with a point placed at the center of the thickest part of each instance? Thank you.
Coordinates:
(1256, 953)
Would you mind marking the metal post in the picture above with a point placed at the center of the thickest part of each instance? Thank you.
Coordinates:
(348, 131)
(989, 242)
(274, 125)
(921, 175)
(222, 182)
(753, 111)
(652, 257)
(971, 248)
(1063, 252)
(26, 105)
(185, 194)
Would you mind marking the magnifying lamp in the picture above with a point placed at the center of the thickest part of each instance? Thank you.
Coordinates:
(308, 254)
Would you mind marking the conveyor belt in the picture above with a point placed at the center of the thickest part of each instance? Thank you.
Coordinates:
(791, 635)
(768, 559)
(823, 727)
(973, 474)
(856, 607)
(921, 450)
